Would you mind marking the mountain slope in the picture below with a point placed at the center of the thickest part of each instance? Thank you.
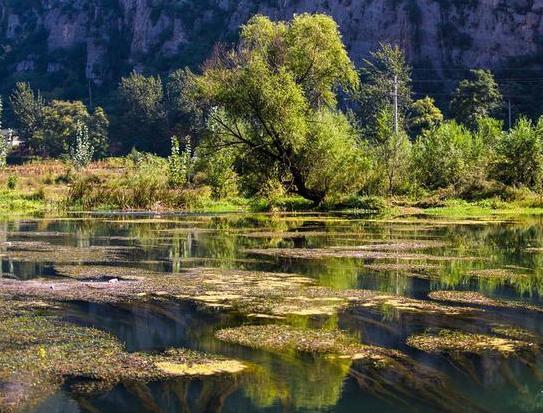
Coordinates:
(61, 43)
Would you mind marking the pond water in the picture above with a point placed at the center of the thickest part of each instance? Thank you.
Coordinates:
(410, 257)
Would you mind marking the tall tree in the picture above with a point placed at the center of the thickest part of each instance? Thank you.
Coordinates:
(144, 122)
(385, 70)
(392, 152)
(275, 96)
(476, 97)
(28, 108)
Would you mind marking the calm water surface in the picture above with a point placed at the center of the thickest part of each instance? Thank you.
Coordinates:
(290, 383)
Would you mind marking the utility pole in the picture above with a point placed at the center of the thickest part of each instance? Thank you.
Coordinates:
(90, 93)
(395, 104)
(510, 117)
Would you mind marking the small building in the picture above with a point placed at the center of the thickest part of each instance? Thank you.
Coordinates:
(11, 134)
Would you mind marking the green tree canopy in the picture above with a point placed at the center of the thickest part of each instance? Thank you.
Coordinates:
(28, 109)
(62, 122)
(520, 155)
(424, 115)
(144, 118)
(475, 98)
(274, 97)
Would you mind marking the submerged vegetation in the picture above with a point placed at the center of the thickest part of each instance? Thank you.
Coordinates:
(448, 341)
(38, 352)
(339, 323)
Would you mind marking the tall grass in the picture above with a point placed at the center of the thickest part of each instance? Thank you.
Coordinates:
(142, 184)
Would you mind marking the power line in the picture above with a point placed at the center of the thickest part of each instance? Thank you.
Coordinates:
(515, 80)
(467, 69)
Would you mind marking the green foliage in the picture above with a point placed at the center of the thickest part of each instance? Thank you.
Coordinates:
(28, 109)
(424, 115)
(19, 202)
(392, 157)
(280, 203)
(332, 161)
(50, 129)
(180, 162)
(270, 96)
(520, 155)
(376, 93)
(81, 150)
(12, 182)
(144, 120)
(448, 155)
(373, 204)
(62, 121)
(143, 184)
(216, 169)
(489, 131)
(98, 130)
(477, 97)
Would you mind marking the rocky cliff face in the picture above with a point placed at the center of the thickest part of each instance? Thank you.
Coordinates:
(102, 39)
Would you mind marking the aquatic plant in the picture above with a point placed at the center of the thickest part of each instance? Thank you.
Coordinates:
(39, 351)
(457, 342)
(383, 372)
(474, 298)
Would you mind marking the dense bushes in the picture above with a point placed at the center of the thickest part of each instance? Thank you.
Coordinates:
(452, 156)
(519, 158)
(146, 181)
(445, 156)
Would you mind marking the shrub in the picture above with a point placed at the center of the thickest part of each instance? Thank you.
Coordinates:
(447, 155)
(363, 203)
(215, 169)
(81, 151)
(180, 162)
(142, 185)
(12, 182)
(520, 155)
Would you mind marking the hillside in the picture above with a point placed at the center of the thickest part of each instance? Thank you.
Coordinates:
(61, 44)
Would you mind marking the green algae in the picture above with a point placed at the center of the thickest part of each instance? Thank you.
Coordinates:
(423, 270)
(103, 272)
(369, 252)
(458, 342)
(246, 292)
(37, 251)
(385, 373)
(285, 338)
(516, 333)
(475, 298)
(39, 351)
(499, 274)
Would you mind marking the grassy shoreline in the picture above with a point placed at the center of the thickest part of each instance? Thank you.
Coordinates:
(48, 187)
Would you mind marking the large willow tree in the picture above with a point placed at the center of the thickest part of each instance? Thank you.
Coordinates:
(274, 97)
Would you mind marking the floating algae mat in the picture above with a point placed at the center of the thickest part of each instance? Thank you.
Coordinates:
(39, 352)
(263, 313)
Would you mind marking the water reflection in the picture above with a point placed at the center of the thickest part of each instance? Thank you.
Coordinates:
(502, 260)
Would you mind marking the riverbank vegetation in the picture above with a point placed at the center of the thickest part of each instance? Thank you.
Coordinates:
(283, 120)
